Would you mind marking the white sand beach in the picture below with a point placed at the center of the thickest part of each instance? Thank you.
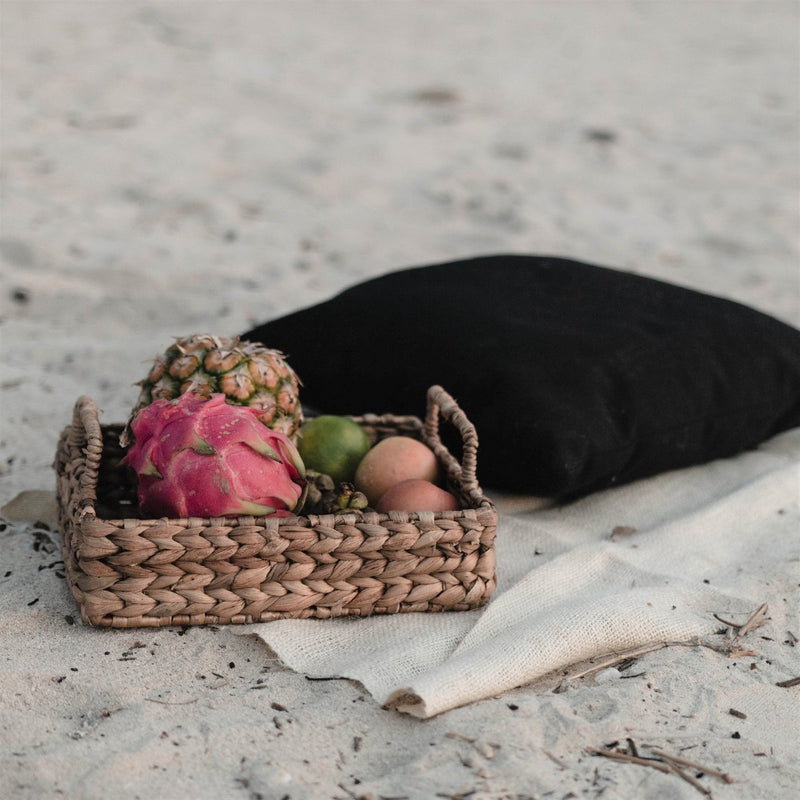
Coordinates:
(171, 168)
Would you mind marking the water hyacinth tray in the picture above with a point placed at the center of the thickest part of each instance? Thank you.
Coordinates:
(126, 571)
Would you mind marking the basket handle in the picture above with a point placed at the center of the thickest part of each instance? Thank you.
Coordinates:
(86, 436)
(442, 403)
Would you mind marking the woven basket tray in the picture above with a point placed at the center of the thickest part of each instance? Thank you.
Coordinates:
(125, 571)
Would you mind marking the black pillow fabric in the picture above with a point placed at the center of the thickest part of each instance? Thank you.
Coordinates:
(577, 377)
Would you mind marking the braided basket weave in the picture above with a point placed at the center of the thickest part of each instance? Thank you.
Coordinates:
(127, 572)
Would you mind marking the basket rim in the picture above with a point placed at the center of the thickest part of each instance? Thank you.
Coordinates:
(86, 421)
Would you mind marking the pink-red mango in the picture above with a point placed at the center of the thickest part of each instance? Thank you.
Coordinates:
(416, 495)
(392, 460)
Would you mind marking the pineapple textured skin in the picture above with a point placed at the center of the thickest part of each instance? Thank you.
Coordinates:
(247, 373)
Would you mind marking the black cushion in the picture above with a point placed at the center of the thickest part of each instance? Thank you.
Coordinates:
(577, 377)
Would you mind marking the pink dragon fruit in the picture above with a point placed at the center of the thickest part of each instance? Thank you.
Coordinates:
(208, 458)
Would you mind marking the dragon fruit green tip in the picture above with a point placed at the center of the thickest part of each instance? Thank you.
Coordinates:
(197, 457)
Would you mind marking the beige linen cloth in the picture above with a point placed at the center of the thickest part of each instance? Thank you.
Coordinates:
(645, 563)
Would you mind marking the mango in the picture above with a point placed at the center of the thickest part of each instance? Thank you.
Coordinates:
(416, 495)
(393, 460)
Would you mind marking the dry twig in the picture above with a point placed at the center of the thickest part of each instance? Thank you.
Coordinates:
(663, 762)
(754, 621)
(723, 776)
(619, 658)
(171, 702)
(555, 759)
(618, 755)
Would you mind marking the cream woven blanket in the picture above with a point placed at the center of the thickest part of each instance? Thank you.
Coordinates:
(643, 564)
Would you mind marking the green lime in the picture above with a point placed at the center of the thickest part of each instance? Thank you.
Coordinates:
(333, 445)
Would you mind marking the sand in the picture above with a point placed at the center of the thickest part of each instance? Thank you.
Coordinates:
(171, 168)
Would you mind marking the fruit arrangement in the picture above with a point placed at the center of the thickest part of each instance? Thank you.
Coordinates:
(218, 431)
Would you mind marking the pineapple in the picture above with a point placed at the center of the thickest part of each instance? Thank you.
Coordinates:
(247, 373)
